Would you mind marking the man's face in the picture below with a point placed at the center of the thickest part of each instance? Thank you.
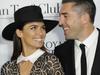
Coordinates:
(70, 21)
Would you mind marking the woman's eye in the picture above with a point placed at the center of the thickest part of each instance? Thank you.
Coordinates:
(44, 27)
(32, 28)
(37, 27)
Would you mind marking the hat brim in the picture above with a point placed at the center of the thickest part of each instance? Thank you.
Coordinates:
(9, 30)
(50, 24)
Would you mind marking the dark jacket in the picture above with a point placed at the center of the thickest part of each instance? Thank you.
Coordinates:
(65, 53)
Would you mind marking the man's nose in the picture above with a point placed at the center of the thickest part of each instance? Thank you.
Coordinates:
(60, 21)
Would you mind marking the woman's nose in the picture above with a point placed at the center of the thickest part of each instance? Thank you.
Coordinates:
(41, 31)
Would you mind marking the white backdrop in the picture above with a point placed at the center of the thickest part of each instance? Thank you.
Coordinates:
(50, 9)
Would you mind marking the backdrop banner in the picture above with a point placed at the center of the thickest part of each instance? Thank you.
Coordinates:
(50, 10)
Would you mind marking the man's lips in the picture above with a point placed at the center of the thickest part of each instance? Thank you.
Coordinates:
(66, 28)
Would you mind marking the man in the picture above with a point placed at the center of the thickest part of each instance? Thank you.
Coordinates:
(76, 19)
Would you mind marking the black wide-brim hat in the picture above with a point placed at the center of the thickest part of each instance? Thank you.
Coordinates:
(27, 14)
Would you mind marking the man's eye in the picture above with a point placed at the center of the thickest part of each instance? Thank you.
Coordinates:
(65, 16)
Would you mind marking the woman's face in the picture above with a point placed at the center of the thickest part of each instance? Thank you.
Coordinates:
(32, 35)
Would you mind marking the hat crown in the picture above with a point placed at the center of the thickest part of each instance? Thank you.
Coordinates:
(24, 15)
(29, 13)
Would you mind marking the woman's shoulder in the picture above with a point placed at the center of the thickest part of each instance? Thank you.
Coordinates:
(9, 64)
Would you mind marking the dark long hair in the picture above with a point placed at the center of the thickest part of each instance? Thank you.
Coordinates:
(17, 44)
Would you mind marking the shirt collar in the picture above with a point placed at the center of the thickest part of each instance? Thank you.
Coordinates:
(32, 58)
(90, 40)
(87, 42)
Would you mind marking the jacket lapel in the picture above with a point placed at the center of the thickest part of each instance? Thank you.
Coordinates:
(96, 64)
(71, 56)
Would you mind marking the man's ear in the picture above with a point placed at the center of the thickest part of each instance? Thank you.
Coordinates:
(85, 18)
(19, 33)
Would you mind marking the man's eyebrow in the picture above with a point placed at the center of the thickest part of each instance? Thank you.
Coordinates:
(64, 13)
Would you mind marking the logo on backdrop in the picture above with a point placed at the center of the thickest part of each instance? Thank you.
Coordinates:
(50, 10)
(47, 9)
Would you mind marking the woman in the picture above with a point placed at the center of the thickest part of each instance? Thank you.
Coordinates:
(28, 33)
